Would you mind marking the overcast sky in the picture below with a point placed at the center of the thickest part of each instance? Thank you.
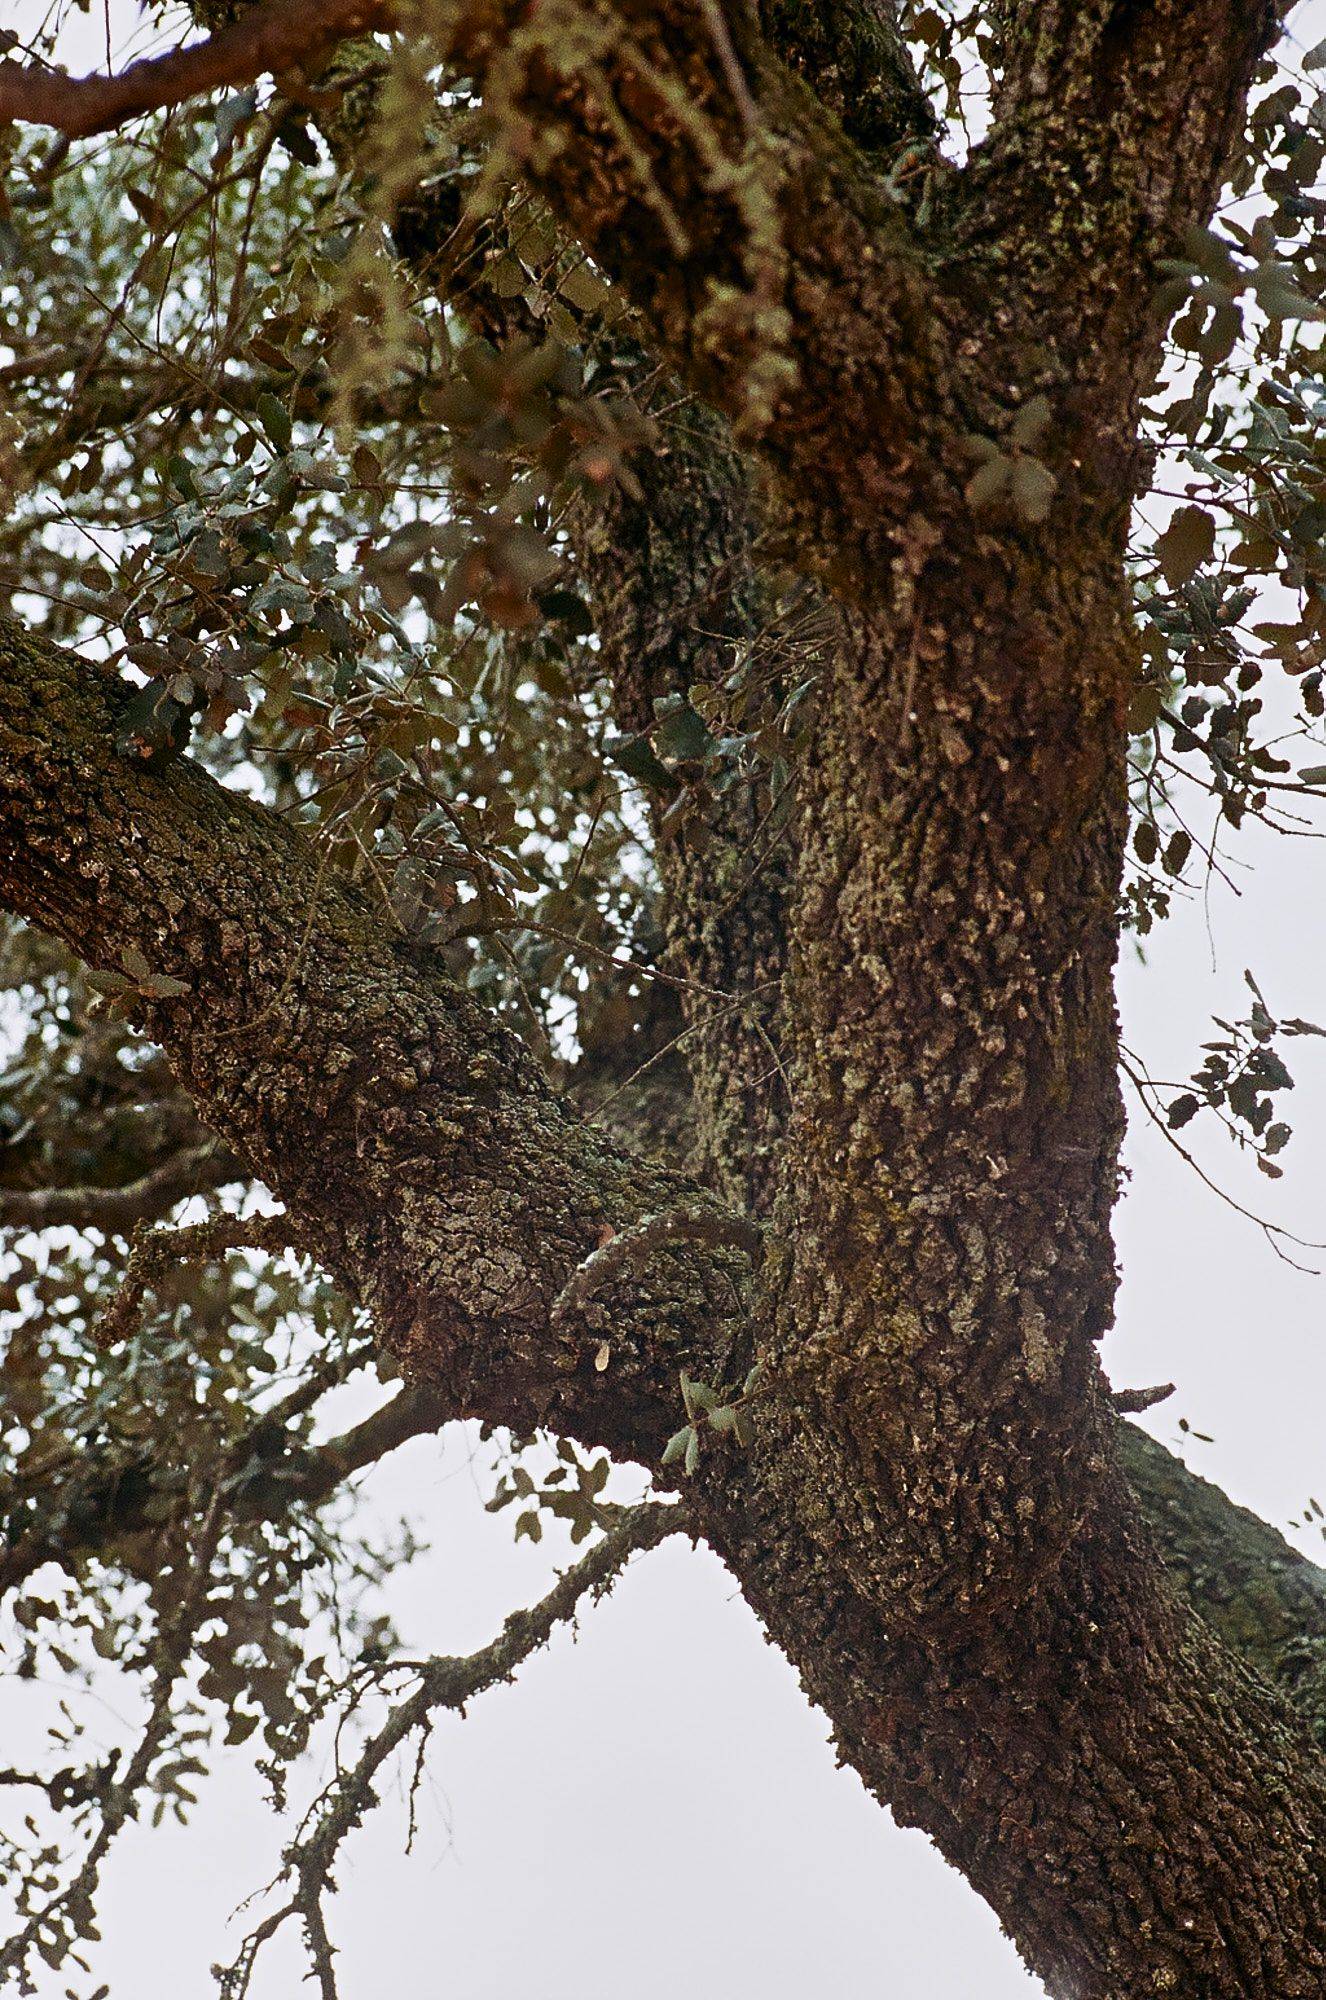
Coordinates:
(654, 1809)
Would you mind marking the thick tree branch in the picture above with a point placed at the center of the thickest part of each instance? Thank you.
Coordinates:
(421, 1154)
(427, 1164)
(855, 59)
(1264, 1598)
(271, 38)
(776, 268)
(112, 1512)
(1114, 128)
(1158, 86)
(198, 1170)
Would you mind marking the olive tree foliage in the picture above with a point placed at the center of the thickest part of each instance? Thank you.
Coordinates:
(594, 595)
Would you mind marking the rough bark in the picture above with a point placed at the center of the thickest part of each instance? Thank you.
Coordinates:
(1022, 1743)
(1264, 1598)
(675, 593)
(426, 1161)
(932, 1520)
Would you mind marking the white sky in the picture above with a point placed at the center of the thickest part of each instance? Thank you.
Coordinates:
(654, 1809)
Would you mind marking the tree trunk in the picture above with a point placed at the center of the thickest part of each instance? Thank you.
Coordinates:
(931, 1518)
(1143, 1813)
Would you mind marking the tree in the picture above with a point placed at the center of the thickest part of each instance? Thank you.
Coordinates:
(633, 506)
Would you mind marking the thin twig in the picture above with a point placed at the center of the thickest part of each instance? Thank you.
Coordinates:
(444, 1683)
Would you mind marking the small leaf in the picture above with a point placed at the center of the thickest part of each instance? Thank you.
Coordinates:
(697, 1395)
(1181, 1110)
(161, 986)
(1279, 296)
(682, 735)
(679, 1444)
(1029, 422)
(275, 420)
(1186, 544)
(989, 482)
(1032, 487)
(1144, 708)
(692, 1453)
(635, 756)
(233, 112)
(1177, 852)
(181, 476)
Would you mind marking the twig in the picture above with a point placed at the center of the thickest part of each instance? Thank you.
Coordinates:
(716, 22)
(689, 1222)
(158, 1250)
(445, 1683)
(1130, 1401)
(1270, 1230)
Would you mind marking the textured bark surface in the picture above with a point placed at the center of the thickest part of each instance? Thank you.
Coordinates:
(674, 593)
(1263, 1597)
(1103, 1714)
(433, 1171)
(424, 1158)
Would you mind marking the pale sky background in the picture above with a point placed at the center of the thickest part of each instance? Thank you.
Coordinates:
(653, 1808)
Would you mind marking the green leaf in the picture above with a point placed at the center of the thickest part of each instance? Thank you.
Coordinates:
(697, 1395)
(1030, 422)
(989, 482)
(110, 984)
(161, 986)
(233, 112)
(275, 420)
(1032, 488)
(635, 755)
(682, 734)
(1279, 296)
(1212, 256)
(679, 1444)
(181, 476)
